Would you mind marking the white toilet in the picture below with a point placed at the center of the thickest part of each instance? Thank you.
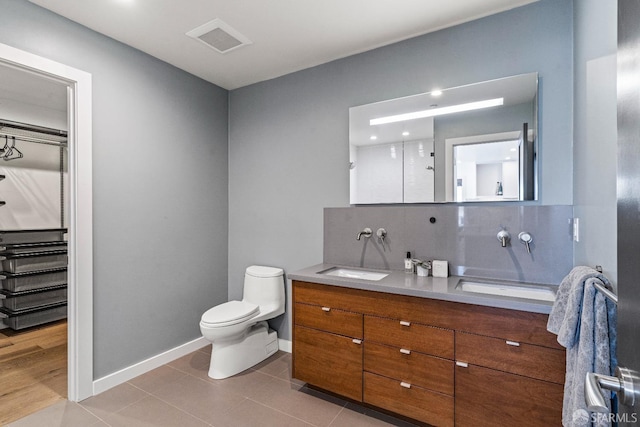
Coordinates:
(238, 329)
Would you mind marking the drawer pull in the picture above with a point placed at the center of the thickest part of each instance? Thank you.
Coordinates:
(403, 323)
(405, 351)
(462, 364)
(356, 341)
(405, 385)
(326, 308)
(513, 343)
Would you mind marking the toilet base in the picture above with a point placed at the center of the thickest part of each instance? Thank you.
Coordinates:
(234, 356)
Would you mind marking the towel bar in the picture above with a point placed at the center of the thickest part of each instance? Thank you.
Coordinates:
(606, 292)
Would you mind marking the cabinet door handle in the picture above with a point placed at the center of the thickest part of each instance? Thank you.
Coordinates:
(405, 351)
(326, 308)
(513, 343)
(462, 364)
(405, 385)
(404, 323)
(357, 341)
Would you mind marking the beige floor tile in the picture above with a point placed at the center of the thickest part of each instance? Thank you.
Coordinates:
(253, 414)
(61, 414)
(206, 350)
(157, 378)
(245, 384)
(151, 411)
(311, 406)
(196, 364)
(275, 365)
(199, 398)
(113, 400)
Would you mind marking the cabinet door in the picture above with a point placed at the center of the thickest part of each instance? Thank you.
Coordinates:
(328, 319)
(329, 361)
(409, 335)
(419, 369)
(532, 361)
(486, 397)
(406, 399)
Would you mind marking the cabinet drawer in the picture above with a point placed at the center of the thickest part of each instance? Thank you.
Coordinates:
(486, 397)
(328, 361)
(413, 402)
(409, 335)
(412, 367)
(331, 296)
(329, 319)
(533, 361)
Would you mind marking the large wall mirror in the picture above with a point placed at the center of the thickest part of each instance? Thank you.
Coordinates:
(474, 143)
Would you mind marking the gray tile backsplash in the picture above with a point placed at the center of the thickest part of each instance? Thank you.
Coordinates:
(465, 236)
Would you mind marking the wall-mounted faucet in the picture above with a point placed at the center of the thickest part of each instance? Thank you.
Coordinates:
(526, 238)
(382, 234)
(366, 233)
(504, 237)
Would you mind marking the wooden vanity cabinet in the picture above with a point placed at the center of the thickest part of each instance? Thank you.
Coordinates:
(409, 369)
(327, 347)
(438, 362)
(504, 382)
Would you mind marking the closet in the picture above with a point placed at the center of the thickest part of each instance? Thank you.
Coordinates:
(33, 247)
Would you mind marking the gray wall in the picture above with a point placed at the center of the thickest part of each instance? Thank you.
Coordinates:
(288, 137)
(595, 131)
(160, 187)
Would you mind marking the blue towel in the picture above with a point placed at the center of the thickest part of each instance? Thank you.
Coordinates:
(585, 322)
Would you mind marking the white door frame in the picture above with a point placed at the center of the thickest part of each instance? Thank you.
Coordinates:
(80, 236)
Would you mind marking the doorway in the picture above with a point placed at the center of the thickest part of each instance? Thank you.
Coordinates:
(80, 223)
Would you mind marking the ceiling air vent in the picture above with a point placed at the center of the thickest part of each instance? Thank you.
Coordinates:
(219, 35)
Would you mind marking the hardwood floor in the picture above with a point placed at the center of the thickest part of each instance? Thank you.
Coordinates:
(33, 369)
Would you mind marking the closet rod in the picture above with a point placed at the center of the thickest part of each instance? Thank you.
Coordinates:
(31, 139)
(33, 133)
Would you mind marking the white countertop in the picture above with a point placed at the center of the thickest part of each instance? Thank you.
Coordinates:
(401, 283)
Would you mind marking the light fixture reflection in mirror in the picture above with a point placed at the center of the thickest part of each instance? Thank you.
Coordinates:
(422, 129)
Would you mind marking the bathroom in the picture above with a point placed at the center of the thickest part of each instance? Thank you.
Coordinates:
(192, 183)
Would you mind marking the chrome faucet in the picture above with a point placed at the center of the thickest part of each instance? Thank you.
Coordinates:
(504, 237)
(366, 233)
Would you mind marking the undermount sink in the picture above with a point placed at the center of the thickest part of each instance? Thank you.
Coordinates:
(351, 273)
(507, 290)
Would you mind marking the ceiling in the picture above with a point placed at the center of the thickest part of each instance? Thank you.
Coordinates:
(286, 35)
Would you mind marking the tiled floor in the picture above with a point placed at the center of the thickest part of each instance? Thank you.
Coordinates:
(181, 394)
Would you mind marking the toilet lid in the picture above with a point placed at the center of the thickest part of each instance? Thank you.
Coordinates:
(230, 312)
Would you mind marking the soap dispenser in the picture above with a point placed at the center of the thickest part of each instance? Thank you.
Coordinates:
(408, 264)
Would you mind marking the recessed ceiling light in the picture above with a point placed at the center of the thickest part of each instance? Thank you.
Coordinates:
(436, 92)
(373, 137)
(405, 133)
(507, 158)
(514, 150)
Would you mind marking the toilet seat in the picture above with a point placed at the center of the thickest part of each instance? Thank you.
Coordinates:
(229, 313)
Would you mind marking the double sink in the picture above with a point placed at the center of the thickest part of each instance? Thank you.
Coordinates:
(477, 286)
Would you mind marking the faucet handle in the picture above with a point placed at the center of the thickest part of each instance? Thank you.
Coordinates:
(526, 238)
(382, 234)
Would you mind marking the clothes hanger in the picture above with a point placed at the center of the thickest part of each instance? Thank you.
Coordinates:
(8, 154)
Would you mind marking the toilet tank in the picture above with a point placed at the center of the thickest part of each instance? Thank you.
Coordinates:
(264, 286)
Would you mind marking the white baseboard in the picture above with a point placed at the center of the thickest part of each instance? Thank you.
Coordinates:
(126, 374)
(285, 345)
